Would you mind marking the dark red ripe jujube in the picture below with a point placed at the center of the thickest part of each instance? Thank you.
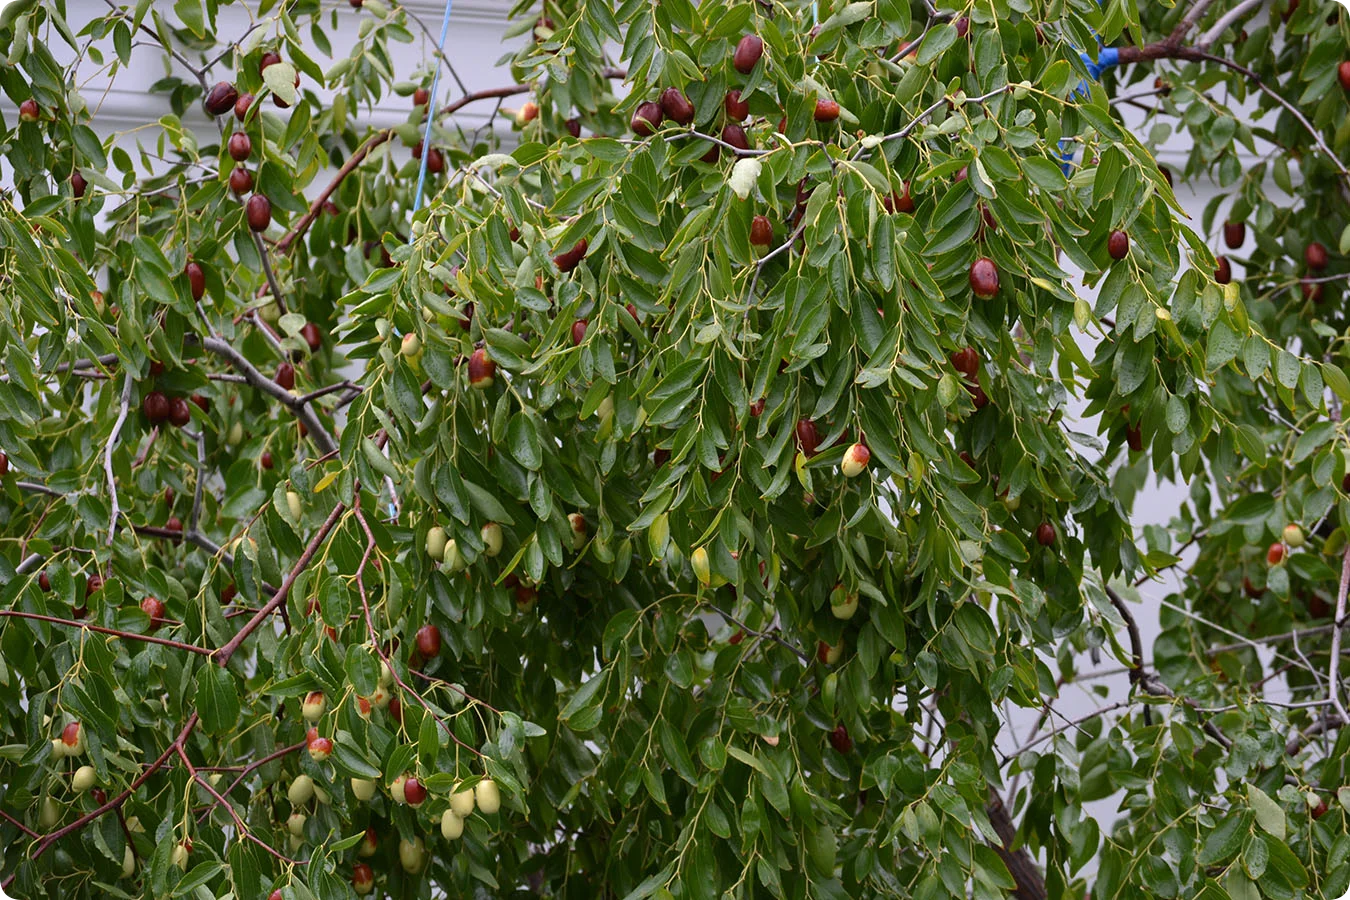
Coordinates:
(1343, 75)
(1118, 244)
(270, 58)
(265, 460)
(573, 127)
(748, 53)
(963, 26)
(202, 403)
(646, 119)
(570, 259)
(259, 212)
(826, 110)
(579, 331)
(421, 97)
(1312, 290)
(241, 106)
(761, 231)
(1045, 534)
(840, 740)
(735, 136)
(1223, 271)
(808, 438)
(285, 375)
(154, 608)
(221, 98)
(196, 280)
(240, 146)
(93, 585)
(676, 106)
(428, 641)
(1234, 234)
(984, 278)
(757, 408)
(173, 524)
(155, 406)
(1134, 437)
(179, 414)
(313, 336)
(44, 582)
(1315, 255)
(736, 108)
(966, 361)
(435, 161)
(241, 182)
(901, 202)
(77, 185)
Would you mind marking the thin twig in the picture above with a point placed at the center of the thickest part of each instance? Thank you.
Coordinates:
(768, 635)
(267, 270)
(222, 655)
(125, 635)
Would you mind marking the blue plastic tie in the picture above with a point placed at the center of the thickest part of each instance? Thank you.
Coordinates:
(1107, 57)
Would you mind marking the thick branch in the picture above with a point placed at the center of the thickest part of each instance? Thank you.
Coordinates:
(322, 439)
(222, 656)
(1030, 881)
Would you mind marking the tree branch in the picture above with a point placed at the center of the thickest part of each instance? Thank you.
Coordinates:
(108, 453)
(222, 655)
(121, 798)
(302, 224)
(375, 637)
(1334, 667)
(1030, 881)
(125, 635)
(1226, 21)
(322, 439)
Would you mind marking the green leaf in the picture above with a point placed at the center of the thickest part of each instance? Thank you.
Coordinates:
(217, 699)
(1269, 814)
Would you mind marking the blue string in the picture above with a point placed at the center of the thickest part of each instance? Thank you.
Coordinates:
(431, 106)
(426, 143)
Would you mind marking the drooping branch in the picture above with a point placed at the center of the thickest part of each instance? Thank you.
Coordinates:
(121, 798)
(375, 637)
(241, 827)
(251, 767)
(1173, 49)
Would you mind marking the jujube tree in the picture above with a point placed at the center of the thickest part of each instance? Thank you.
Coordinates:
(671, 489)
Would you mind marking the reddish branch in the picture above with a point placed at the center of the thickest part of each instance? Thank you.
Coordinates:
(220, 798)
(239, 823)
(125, 635)
(121, 798)
(375, 637)
(222, 656)
(302, 224)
